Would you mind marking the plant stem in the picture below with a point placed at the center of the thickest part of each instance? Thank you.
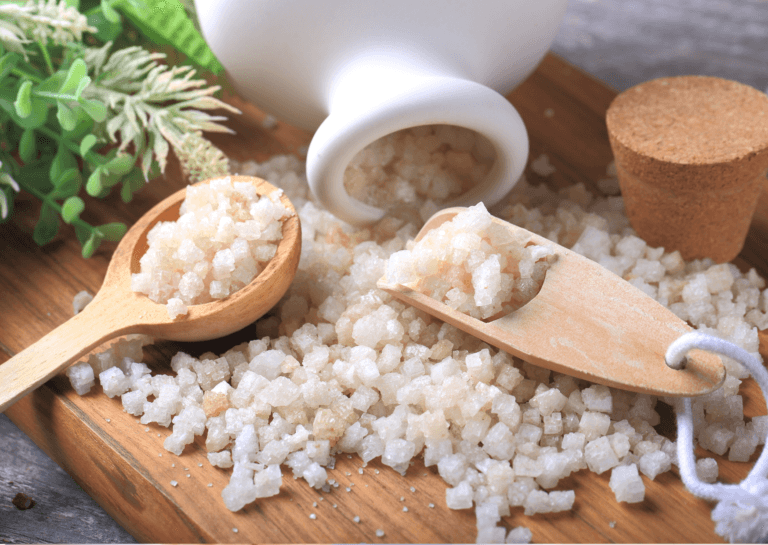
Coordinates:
(57, 96)
(47, 58)
(53, 204)
(23, 74)
(90, 157)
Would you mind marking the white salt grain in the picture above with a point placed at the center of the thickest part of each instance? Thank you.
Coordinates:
(80, 301)
(460, 265)
(269, 122)
(542, 166)
(174, 483)
(379, 533)
(312, 516)
(419, 167)
(626, 484)
(356, 519)
(438, 392)
(223, 238)
(81, 377)
(707, 470)
(520, 534)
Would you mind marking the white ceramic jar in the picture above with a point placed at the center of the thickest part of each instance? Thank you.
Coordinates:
(357, 70)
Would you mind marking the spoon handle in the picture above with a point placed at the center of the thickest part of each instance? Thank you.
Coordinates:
(30, 368)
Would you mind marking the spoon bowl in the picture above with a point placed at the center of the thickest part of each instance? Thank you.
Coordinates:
(117, 310)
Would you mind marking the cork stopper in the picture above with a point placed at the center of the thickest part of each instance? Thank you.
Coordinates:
(691, 154)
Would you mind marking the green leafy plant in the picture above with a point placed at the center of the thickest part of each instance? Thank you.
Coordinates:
(77, 118)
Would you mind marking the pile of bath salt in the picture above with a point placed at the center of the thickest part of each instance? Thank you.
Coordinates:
(342, 367)
(473, 265)
(430, 163)
(224, 237)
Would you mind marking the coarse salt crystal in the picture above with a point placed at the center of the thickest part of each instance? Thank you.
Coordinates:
(433, 378)
(200, 257)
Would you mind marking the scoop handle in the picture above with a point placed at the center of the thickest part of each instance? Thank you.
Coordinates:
(101, 320)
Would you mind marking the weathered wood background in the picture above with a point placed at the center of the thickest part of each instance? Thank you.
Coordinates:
(622, 42)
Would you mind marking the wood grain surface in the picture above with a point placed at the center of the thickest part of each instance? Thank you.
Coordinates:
(123, 465)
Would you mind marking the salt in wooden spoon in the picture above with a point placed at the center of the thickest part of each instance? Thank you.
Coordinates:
(586, 322)
(116, 310)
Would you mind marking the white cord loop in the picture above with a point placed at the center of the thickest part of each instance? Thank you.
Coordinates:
(741, 514)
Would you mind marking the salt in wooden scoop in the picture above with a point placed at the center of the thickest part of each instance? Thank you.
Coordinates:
(116, 310)
(586, 322)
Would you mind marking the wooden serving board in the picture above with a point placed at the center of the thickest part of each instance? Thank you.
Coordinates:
(122, 464)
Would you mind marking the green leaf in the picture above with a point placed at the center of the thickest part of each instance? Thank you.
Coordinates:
(47, 225)
(95, 109)
(67, 116)
(88, 141)
(73, 4)
(71, 209)
(132, 183)
(106, 31)
(108, 180)
(76, 73)
(67, 185)
(63, 161)
(93, 186)
(7, 63)
(23, 104)
(126, 192)
(53, 83)
(112, 231)
(36, 175)
(85, 82)
(146, 163)
(28, 145)
(120, 165)
(166, 22)
(38, 116)
(109, 12)
(82, 233)
(92, 244)
(84, 124)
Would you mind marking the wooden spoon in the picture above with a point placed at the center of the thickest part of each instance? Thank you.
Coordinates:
(586, 322)
(116, 310)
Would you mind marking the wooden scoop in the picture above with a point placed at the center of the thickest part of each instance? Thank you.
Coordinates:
(586, 322)
(116, 310)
